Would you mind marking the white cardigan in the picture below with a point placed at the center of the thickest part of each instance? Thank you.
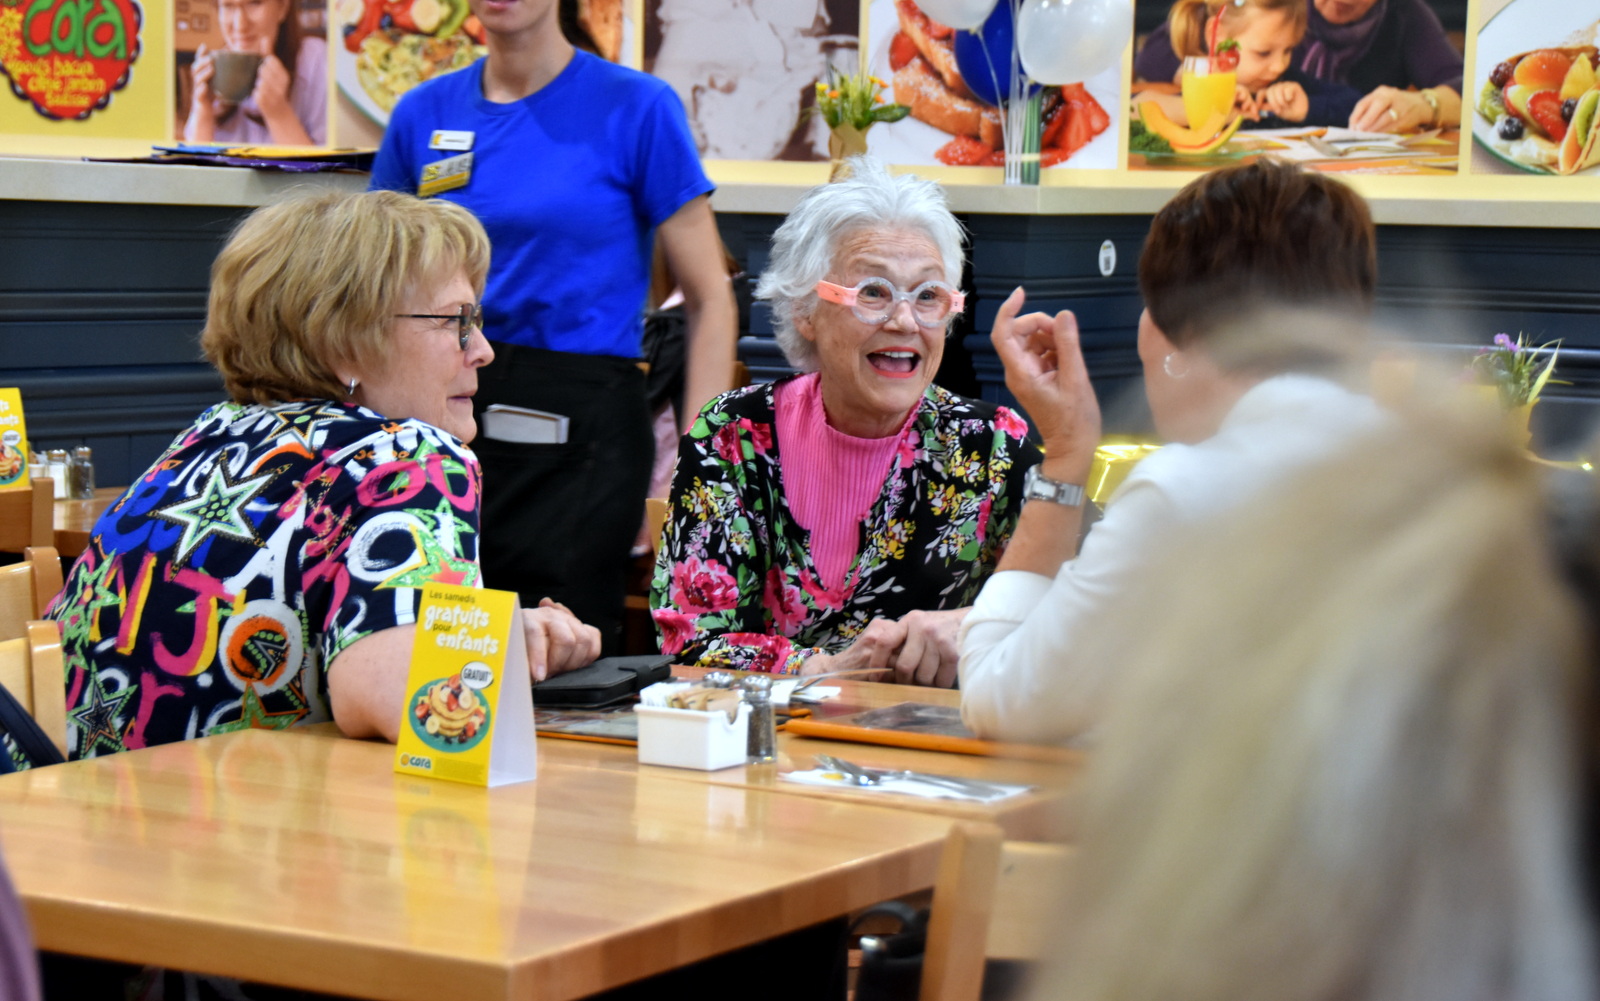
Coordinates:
(1019, 679)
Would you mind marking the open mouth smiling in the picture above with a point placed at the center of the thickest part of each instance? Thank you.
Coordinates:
(897, 363)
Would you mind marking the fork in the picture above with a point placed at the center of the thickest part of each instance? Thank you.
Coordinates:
(877, 776)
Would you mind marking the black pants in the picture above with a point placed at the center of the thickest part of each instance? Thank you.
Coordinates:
(559, 520)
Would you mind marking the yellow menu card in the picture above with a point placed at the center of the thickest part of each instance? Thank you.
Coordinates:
(13, 441)
(469, 707)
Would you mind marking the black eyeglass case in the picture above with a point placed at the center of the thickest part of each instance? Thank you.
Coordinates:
(606, 681)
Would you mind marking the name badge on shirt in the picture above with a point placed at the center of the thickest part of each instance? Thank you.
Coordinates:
(448, 139)
(445, 175)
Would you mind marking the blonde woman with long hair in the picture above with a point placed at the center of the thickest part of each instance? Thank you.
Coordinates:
(1343, 764)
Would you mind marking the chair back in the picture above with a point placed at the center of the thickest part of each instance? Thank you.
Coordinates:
(27, 517)
(27, 588)
(31, 669)
(993, 899)
(655, 515)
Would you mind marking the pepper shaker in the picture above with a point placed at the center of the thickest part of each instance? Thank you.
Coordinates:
(80, 474)
(763, 740)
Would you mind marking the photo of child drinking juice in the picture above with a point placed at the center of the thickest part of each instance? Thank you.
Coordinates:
(1347, 85)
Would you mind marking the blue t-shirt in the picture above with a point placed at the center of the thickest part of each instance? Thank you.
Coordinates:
(570, 184)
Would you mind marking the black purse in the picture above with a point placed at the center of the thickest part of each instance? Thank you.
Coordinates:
(19, 731)
(891, 965)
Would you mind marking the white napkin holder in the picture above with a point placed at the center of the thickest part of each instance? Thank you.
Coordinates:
(689, 738)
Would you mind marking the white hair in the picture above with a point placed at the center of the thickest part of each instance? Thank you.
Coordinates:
(803, 248)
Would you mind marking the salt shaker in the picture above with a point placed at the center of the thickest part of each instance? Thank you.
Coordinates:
(80, 474)
(56, 469)
(763, 746)
(718, 679)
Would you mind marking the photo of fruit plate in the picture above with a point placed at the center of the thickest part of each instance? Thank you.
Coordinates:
(948, 125)
(448, 715)
(389, 46)
(1537, 96)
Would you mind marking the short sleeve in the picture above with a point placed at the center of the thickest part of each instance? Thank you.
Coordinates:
(404, 515)
(667, 167)
(392, 169)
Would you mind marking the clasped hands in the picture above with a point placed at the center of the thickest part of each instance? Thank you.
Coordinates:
(1284, 100)
(916, 649)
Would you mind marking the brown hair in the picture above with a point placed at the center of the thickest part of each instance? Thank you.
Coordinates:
(1252, 236)
(1187, 20)
(313, 283)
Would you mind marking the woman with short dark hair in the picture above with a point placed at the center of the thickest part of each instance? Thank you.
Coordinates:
(1245, 393)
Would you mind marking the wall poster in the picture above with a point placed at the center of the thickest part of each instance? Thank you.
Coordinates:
(1361, 87)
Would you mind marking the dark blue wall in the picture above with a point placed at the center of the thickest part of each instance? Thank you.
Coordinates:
(101, 305)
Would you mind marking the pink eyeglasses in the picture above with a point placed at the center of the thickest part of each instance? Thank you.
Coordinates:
(873, 300)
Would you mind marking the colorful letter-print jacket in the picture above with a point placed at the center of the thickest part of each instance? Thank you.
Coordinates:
(735, 585)
(267, 539)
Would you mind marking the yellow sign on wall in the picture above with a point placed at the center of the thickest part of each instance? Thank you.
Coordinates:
(84, 69)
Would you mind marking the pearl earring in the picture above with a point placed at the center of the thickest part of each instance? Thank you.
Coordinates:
(1174, 369)
(350, 390)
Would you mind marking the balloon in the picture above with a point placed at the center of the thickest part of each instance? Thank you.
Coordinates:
(984, 58)
(1069, 41)
(963, 15)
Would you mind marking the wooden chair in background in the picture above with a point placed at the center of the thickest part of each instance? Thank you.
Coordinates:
(994, 899)
(26, 588)
(31, 670)
(27, 517)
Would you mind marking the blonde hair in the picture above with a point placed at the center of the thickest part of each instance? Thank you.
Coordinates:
(1187, 19)
(312, 283)
(1342, 762)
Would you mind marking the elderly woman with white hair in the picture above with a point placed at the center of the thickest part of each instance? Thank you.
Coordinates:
(844, 518)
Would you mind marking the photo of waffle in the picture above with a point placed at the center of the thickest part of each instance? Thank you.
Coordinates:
(448, 714)
(951, 125)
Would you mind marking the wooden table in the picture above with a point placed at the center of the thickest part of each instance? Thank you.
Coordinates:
(1043, 815)
(74, 519)
(300, 858)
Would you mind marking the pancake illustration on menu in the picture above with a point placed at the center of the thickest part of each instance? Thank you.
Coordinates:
(448, 714)
(12, 463)
(927, 79)
(1537, 108)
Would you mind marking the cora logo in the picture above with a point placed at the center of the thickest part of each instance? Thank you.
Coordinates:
(67, 57)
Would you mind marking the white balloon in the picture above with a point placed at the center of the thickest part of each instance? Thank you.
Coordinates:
(963, 15)
(1069, 41)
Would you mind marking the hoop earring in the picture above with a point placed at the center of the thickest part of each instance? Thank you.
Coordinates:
(350, 390)
(1174, 370)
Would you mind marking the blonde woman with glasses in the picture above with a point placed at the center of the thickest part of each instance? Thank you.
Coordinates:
(266, 569)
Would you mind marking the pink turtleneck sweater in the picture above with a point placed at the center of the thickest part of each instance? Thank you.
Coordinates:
(830, 479)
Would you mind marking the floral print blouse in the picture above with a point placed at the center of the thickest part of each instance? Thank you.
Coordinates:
(735, 585)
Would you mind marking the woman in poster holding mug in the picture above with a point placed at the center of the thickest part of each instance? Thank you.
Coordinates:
(269, 84)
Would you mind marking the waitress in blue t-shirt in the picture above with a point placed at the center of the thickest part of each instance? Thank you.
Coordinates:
(573, 165)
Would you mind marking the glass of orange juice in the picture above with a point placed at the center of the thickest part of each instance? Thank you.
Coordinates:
(1206, 92)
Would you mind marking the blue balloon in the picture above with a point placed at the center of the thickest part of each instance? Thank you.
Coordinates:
(984, 57)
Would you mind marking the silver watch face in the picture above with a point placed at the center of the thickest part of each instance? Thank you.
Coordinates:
(1036, 486)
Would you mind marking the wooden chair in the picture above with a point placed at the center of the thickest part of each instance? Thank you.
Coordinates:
(26, 588)
(27, 517)
(32, 671)
(994, 899)
(655, 514)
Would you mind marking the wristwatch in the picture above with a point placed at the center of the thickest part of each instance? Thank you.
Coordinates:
(1037, 486)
